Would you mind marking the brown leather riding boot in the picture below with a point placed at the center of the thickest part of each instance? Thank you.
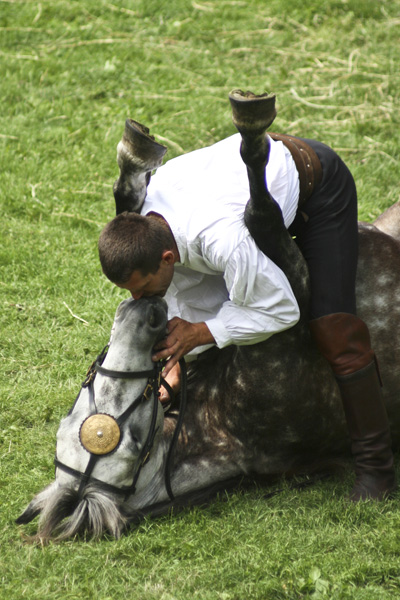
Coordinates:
(343, 339)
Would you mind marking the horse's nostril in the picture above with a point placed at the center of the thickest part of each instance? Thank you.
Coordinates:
(155, 317)
(122, 308)
(152, 319)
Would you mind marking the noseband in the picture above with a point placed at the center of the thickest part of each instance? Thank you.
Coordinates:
(100, 433)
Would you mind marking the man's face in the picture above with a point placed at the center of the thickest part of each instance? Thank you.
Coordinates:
(152, 284)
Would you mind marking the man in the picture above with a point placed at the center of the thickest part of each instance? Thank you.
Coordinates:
(222, 290)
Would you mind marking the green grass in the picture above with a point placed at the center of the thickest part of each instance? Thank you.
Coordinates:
(71, 72)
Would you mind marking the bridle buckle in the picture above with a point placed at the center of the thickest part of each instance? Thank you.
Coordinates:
(148, 390)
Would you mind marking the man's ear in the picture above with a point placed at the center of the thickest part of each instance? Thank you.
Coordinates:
(168, 257)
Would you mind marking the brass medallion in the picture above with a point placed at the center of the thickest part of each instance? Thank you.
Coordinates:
(100, 434)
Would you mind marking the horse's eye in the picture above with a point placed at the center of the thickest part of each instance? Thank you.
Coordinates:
(134, 439)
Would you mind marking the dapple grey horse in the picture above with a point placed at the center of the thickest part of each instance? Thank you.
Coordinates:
(268, 409)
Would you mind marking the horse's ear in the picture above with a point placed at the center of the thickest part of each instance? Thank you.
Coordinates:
(36, 506)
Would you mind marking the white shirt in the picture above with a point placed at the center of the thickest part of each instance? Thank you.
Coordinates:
(223, 278)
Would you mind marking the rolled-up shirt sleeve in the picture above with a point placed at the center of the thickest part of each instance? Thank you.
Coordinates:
(261, 301)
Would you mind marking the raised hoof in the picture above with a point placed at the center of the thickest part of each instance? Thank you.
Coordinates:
(251, 113)
(138, 154)
(142, 147)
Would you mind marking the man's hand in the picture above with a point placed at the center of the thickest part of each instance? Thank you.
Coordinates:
(174, 380)
(182, 338)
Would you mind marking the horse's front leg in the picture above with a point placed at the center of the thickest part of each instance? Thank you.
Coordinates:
(252, 115)
(137, 155)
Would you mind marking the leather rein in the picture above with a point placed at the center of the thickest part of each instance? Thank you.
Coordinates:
(150, 393)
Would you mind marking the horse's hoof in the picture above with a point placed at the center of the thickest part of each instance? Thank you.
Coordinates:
(142, 146)
(251, 113)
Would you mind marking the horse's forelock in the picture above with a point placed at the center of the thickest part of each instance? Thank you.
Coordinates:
(67, 513)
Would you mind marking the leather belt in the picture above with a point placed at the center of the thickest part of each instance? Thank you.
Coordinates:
(307, 163)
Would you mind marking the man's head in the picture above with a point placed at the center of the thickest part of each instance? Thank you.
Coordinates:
(138, 253)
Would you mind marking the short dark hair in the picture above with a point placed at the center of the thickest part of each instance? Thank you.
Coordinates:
(133, 242)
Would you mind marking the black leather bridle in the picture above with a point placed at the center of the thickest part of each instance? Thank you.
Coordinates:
(154, 380)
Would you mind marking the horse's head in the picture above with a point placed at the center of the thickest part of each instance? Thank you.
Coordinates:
(110, 432)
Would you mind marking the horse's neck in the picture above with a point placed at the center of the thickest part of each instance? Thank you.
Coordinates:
(203, 456)
(202, 431)
(151, 484)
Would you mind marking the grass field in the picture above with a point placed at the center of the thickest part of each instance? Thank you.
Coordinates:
(71, 72)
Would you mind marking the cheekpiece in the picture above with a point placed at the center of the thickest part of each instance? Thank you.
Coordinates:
(100, 434)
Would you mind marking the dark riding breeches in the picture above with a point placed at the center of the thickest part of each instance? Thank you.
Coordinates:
(326, 232)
